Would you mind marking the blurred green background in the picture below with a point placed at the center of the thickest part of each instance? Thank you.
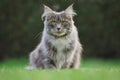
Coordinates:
(98, 23)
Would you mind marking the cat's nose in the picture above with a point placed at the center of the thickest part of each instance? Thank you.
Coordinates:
(58, 29)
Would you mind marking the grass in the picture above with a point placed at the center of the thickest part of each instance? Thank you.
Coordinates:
(91, 69)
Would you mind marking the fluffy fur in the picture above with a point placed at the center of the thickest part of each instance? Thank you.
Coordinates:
(59, 47)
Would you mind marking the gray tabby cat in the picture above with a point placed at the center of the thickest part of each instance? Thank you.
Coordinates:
(59, 47)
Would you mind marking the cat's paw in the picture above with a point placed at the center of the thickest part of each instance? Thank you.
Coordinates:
(30, 67)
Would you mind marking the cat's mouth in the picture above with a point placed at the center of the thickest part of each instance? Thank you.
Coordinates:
(59, 34)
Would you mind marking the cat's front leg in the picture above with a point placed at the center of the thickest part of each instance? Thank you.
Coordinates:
(66, 66)
(77, 58)
(49, 64)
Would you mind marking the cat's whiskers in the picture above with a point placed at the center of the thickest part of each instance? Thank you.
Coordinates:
(38, 35)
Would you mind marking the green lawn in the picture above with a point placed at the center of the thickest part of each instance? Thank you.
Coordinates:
(91, 69)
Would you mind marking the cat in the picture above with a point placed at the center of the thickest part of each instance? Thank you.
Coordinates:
(60, 47)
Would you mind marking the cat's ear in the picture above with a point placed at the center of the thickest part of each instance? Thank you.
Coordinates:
(47, 11)
(70, 10)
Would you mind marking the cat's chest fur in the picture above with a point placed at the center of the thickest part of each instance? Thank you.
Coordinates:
(60, 44)
(64, 51)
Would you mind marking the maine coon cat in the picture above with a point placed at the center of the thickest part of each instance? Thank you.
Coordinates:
(59, 47)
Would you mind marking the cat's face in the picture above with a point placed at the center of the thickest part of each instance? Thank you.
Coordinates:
(58, 24)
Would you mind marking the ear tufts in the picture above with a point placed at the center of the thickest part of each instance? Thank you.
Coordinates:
(47, 11)
(70, 10)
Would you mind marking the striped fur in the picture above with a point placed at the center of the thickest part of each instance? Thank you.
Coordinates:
(59, 48)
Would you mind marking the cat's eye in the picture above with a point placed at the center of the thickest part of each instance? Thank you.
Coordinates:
(65, 23)
(62, 22)
(53, 23)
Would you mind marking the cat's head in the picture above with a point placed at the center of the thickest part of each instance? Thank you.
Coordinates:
(58, 24)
